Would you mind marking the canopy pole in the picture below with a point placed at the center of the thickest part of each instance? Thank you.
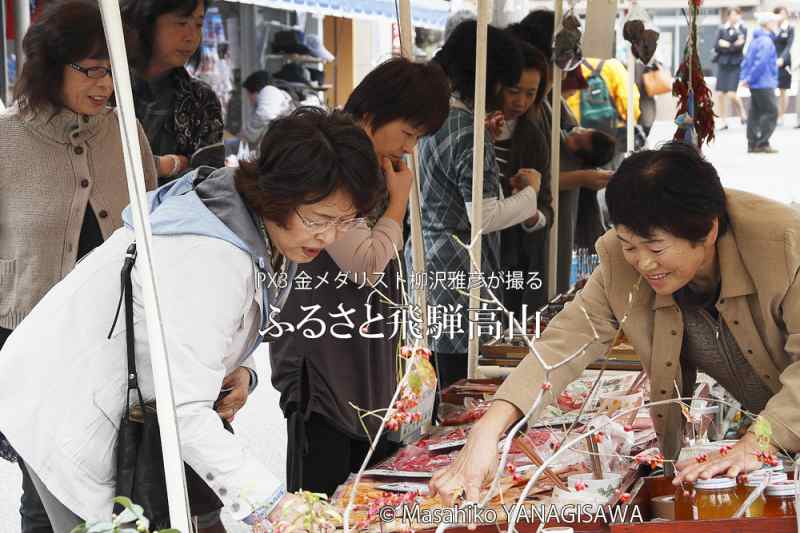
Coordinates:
(555, 166)
(167, 419)
(631, 115)
(484, 10)
(417, 245)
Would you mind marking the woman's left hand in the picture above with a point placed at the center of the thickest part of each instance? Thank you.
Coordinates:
(740, 459)
(238, 382)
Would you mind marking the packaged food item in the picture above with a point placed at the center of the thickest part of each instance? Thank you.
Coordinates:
(780, 499)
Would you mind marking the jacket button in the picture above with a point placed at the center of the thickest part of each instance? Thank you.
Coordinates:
(669, 363)
(722, 301)
(84, 183)
(79, 150)
(85, 119)
(103, 213)
(766, 376)
(673, 332)
(663, 392)
(750, 351)
(735, 322)
(659, 415)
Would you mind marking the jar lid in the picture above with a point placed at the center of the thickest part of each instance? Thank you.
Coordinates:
(715, 483)
(781, 488)
(754, 479)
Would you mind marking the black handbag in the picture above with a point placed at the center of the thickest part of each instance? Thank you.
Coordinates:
(140, 463)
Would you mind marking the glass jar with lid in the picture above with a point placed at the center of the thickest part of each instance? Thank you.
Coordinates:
(753, 480)
(780, 499)
(715, 499)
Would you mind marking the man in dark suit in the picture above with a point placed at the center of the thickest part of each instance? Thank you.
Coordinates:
(731, 37)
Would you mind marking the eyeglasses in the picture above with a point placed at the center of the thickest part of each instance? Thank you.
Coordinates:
(95, 73)
(339, 224)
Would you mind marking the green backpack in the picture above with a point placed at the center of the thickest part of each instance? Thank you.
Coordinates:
(597, 107)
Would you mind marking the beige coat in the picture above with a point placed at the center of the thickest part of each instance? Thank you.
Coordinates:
(50, 168)
(759, 259)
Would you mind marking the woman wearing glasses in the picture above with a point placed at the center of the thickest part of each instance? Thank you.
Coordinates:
(322, 378)
(62, 180)
(219, 236)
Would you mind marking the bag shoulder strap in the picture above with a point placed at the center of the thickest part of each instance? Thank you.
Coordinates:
(597, 70)
(127, 295)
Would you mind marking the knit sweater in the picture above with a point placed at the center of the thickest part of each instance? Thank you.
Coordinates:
(52, 168)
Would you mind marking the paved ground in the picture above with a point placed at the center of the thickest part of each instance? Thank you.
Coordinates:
(261, 422)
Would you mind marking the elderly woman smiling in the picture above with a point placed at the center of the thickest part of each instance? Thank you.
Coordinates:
(720, 295)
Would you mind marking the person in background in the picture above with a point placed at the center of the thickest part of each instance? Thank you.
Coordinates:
(445, 161)
(573, 182)
(520, 145)
(710, 300)
(320, 380)
(647, 103)
(760, 75)
(728, 55)
(784, 39)
(62, 178)
(268, 103)
(239, 226)
(180, 114)
(615, 76)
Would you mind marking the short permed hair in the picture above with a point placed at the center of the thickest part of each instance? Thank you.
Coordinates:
(307, 156)
(141, 16)
(503, 61)
(68, 31)
(673, 188)
(399, 89)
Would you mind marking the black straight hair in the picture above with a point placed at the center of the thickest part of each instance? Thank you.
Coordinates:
(537, 29)
(141, 16)
(400, 89)
(602, 150)
(503, 61)
(673, 188)
(257, 81)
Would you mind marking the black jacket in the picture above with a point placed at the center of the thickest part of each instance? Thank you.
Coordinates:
(783, 44)
(732, 55)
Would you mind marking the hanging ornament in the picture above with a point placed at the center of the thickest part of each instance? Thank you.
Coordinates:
(567, 53)
(638, 31)
(695, 115)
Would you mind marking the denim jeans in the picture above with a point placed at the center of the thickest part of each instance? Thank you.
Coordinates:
(33, 515)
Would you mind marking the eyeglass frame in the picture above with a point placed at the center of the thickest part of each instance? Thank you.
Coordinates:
(85, 71)
(336, 223)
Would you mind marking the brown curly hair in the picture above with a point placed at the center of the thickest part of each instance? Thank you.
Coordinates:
(68, 31)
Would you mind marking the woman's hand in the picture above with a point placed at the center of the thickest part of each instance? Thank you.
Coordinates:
(238, 382)
(494, 123)
(398, 182)
(477, 461)
(526, 177)
(740, 459)
(597, 179)
(171, 165)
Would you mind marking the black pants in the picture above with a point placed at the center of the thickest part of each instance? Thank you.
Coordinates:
(320, 457)
(763, 117)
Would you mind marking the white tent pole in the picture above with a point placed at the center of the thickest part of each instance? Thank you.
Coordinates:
(484, 12)
(630, 81)
(417, 246)
(170, 441)
(555, 165)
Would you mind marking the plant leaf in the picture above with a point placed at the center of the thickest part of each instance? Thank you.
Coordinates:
(101, 527)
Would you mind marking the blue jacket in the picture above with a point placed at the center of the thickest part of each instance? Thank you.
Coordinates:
(760, 68)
